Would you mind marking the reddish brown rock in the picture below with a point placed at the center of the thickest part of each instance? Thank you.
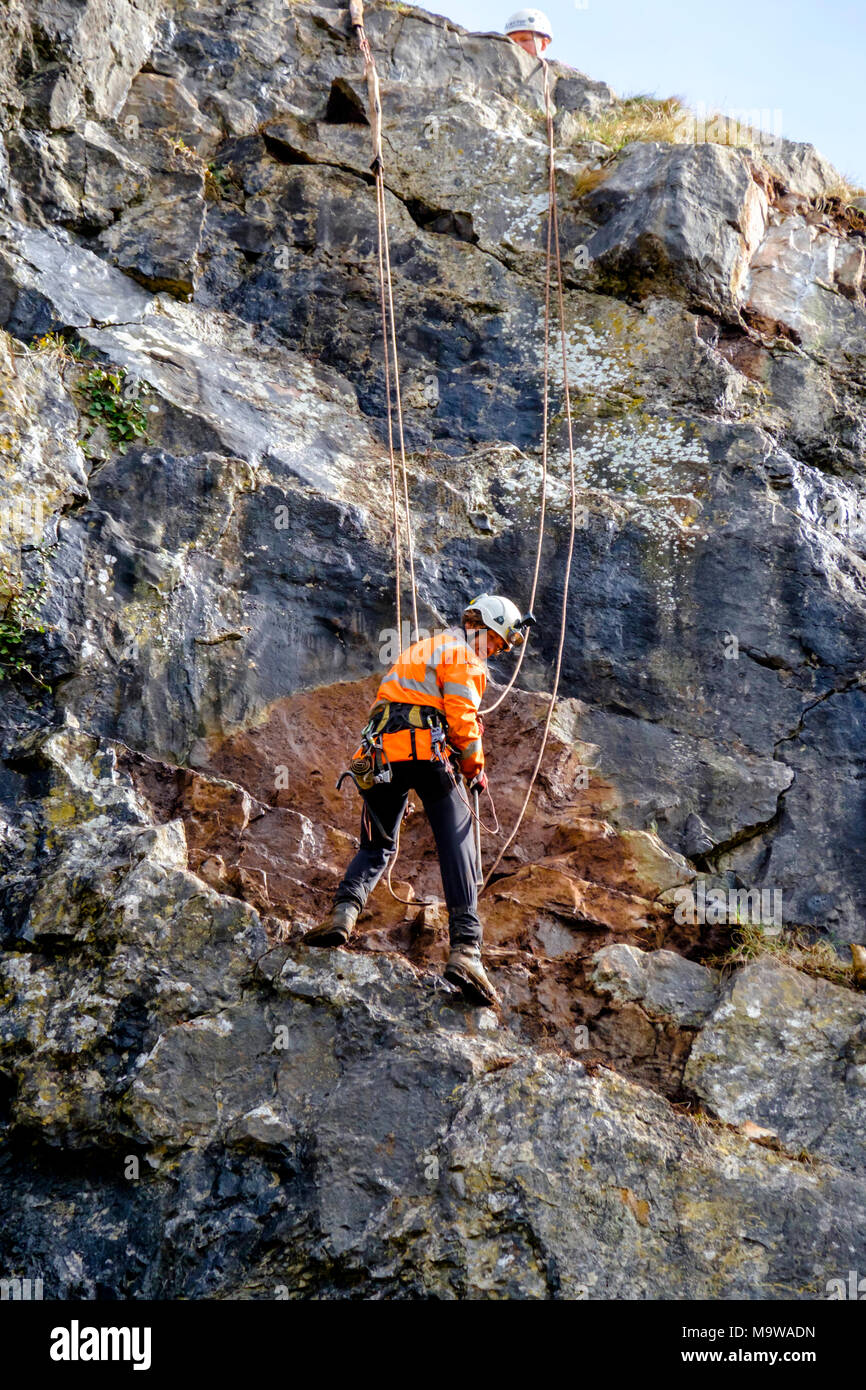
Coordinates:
(265, 822)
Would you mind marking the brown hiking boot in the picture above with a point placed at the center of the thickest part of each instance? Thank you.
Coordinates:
(465, 970)
(336, 928)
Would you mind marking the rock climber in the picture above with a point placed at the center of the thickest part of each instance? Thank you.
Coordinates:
(531, 29)
(423, 729)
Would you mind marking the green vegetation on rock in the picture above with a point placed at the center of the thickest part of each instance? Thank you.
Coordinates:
(19, 616)
(123, 416)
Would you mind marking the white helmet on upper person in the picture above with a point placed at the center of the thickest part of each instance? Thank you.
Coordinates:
(529, 22)
(500, 615)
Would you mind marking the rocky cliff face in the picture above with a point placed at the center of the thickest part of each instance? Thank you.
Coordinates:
(192, 456)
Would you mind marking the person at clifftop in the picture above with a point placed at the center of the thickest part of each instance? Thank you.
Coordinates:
(531, 29)
(423, 728)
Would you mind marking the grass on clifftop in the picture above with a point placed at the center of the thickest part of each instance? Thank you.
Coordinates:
(637, 118)
(817, 958)
(669, 121)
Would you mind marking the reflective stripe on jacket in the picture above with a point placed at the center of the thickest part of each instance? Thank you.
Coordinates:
(443, 672)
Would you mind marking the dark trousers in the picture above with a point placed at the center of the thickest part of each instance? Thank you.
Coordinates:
(451, 821)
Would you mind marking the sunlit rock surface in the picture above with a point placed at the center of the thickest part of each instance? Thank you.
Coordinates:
(185, 195)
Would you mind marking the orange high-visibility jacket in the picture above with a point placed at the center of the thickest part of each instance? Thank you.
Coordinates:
(444, 672)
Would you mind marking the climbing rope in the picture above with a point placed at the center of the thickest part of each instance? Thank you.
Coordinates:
(551, 212)
(389, 329)
(552, 237)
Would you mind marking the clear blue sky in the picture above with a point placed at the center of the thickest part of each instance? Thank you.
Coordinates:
(806, 60)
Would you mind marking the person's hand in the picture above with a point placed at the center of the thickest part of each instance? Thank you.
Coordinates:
(479, 782)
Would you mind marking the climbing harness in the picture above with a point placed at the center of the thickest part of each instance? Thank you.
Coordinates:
(389, 331)
(554, 244)
(370, 766)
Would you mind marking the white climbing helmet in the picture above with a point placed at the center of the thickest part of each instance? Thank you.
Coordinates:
(529, 22)
(500, 615)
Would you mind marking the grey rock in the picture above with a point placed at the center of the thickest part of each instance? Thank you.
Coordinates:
(697, 839)
(104, 43)
(666, 985)
(42, 465)
(682, 217)
(367, 1125)
(802, 167)
(584, 1168)
(52, 283)
(118, 941)
(783, 1050)
(800, 278)
(829, 890)
(158, 242)
(342, 1125)
(157, 102)
(576, 92)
